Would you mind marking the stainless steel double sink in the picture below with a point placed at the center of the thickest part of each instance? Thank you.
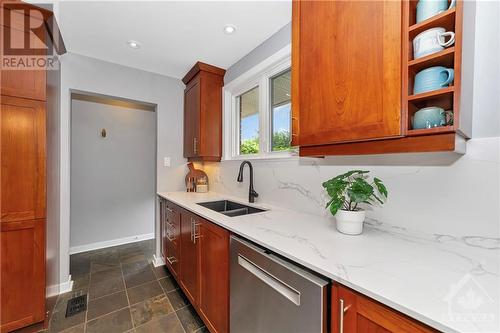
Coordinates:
(230, 208)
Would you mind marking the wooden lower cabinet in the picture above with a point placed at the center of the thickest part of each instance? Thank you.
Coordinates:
(214, 276)
(171, 219)
(22, 258)
(189, 258)
(353, 312)
(197, 254)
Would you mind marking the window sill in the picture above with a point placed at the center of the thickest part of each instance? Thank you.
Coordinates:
(264, 157)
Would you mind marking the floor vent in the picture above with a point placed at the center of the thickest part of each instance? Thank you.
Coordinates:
(76, 305)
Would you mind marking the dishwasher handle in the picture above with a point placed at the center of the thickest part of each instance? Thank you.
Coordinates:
(266, 277)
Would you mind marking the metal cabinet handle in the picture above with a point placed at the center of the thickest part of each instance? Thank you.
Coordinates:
(194, 234)
(171, 260)
(342, 311)
(286, 291)
(170, 238)
(195, 145)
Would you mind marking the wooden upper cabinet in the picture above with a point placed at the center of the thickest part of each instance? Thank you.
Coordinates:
(191, 118)
(23, 159)
(347, 64)
(353, 312)
(203, 113)
(214, 277)
(22, 82)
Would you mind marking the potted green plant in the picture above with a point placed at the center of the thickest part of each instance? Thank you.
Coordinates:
(347, 192)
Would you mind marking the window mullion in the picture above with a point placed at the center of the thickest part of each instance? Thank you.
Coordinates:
(264, 115)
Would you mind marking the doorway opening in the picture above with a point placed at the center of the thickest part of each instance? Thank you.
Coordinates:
(112, 171)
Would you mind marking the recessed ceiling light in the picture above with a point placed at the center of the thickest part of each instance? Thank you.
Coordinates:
(134, 44)
(229, 29)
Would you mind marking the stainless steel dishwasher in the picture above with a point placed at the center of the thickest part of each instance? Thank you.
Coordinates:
(272, 295)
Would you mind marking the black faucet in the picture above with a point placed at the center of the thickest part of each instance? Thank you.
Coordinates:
(251, 192)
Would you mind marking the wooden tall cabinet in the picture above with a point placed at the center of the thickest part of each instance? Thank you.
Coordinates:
(203, 113)
(23, 172)
(24, 83)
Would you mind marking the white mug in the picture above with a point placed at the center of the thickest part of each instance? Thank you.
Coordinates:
(431, 41)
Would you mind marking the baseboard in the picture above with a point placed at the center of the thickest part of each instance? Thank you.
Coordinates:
(113, 242)
(61, 288)
(52, 290)
(66, 286)
(158, 261)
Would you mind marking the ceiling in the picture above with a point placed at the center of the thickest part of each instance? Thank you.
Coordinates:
(173, 35)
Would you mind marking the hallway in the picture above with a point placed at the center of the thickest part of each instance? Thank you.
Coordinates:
(125, 293)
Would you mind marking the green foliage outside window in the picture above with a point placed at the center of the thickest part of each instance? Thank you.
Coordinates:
(249, 146)
(281, 142)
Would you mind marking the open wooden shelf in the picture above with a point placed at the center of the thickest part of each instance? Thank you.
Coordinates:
(428, 131)
(445, 19)
(442, 58)
(447, 98)
(431, 94)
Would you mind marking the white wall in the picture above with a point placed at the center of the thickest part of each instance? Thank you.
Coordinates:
(53, 186)
(486, 116)
(433, 193)
(113, 179)
(96, 76)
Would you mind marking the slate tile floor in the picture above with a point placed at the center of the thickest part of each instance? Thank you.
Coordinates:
(126, 293)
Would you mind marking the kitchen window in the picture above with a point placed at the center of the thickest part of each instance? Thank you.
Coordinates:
(257, 111)
(281, 108)
(248, 108)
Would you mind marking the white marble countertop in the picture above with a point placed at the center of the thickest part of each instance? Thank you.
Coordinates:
(449, 283)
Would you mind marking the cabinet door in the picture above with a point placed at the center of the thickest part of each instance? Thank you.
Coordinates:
(353, 312)
(24, 83)
(192, 118)
(211, 116)
(348, 58)
(214, 276)
(23, 159)
(189, 264)
(22, 273)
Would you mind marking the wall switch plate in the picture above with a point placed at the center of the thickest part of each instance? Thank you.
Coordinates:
(166, 161)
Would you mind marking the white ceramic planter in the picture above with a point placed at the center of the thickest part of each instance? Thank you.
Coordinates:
(349, 222)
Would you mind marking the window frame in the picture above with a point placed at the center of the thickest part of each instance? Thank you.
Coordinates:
(270, 118)
(259, 76)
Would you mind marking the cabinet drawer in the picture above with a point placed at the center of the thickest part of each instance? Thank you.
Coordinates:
(172, 257)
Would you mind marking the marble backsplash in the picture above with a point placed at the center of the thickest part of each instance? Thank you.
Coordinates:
(446, 195)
